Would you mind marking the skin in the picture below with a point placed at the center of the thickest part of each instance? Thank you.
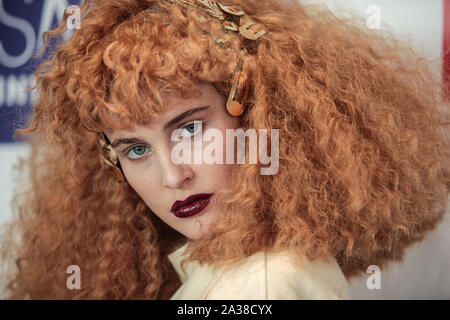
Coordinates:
(149, 169)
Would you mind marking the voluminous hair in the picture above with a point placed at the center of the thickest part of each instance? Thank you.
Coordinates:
(363, 153)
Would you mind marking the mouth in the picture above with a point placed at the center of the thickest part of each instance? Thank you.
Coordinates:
(191, 205)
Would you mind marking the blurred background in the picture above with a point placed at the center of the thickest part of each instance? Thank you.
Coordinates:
(425, 271)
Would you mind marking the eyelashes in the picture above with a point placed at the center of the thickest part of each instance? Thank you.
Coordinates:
(193, 125)
(137, 152)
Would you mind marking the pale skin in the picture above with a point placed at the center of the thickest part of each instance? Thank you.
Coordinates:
(150, 171)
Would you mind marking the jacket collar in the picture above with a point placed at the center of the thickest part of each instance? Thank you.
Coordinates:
(175, 258)
(196, 280)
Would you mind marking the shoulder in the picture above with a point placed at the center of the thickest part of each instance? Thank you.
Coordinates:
(280, 275)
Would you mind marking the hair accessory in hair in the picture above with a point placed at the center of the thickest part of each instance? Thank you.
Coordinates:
(234, 107)
(231, 19)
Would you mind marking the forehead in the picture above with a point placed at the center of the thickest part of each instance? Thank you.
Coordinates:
(207, 92)
(175, 104)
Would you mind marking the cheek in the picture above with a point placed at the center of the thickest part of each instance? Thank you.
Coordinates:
(145, 187)
(235, 122)
(218, 174)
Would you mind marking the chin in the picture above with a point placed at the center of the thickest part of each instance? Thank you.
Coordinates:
(196, 235)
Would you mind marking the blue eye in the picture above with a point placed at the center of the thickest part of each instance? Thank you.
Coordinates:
(193, 127)
(139, 151)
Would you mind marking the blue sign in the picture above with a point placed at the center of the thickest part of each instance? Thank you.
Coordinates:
(22, 23)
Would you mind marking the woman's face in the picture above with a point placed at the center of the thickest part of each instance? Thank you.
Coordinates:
(150, 170)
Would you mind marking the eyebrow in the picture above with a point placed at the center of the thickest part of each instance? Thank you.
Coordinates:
(169, 124)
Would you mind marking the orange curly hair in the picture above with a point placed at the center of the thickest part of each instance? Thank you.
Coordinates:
(364, 151)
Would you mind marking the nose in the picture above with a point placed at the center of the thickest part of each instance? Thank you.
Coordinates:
(174, 176)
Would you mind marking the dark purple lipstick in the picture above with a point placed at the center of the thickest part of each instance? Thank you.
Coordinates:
(191, 205)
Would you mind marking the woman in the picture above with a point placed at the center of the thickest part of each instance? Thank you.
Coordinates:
(363, 156)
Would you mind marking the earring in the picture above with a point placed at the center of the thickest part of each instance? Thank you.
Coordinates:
(111, 160)
(234, 107)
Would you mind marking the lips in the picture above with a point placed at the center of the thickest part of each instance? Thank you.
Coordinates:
(191, 205)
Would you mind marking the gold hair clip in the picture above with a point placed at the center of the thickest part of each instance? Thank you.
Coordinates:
(231, 10)
(231, 19)
(234, 107)
(226, 16)
(252, 30)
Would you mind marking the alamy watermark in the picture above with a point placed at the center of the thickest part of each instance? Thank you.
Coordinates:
(374, 20)
(74, 20)
(74, 280)
(213, 152)
(374, 281)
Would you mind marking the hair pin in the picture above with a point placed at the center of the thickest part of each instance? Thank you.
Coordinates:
(230, 19)
(236, 108)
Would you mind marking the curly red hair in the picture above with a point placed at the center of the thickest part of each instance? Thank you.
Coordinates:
(363, 158)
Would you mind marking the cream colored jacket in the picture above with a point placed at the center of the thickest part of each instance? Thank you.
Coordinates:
(262, 276)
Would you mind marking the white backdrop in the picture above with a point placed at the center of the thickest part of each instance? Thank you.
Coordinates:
(425, 271)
